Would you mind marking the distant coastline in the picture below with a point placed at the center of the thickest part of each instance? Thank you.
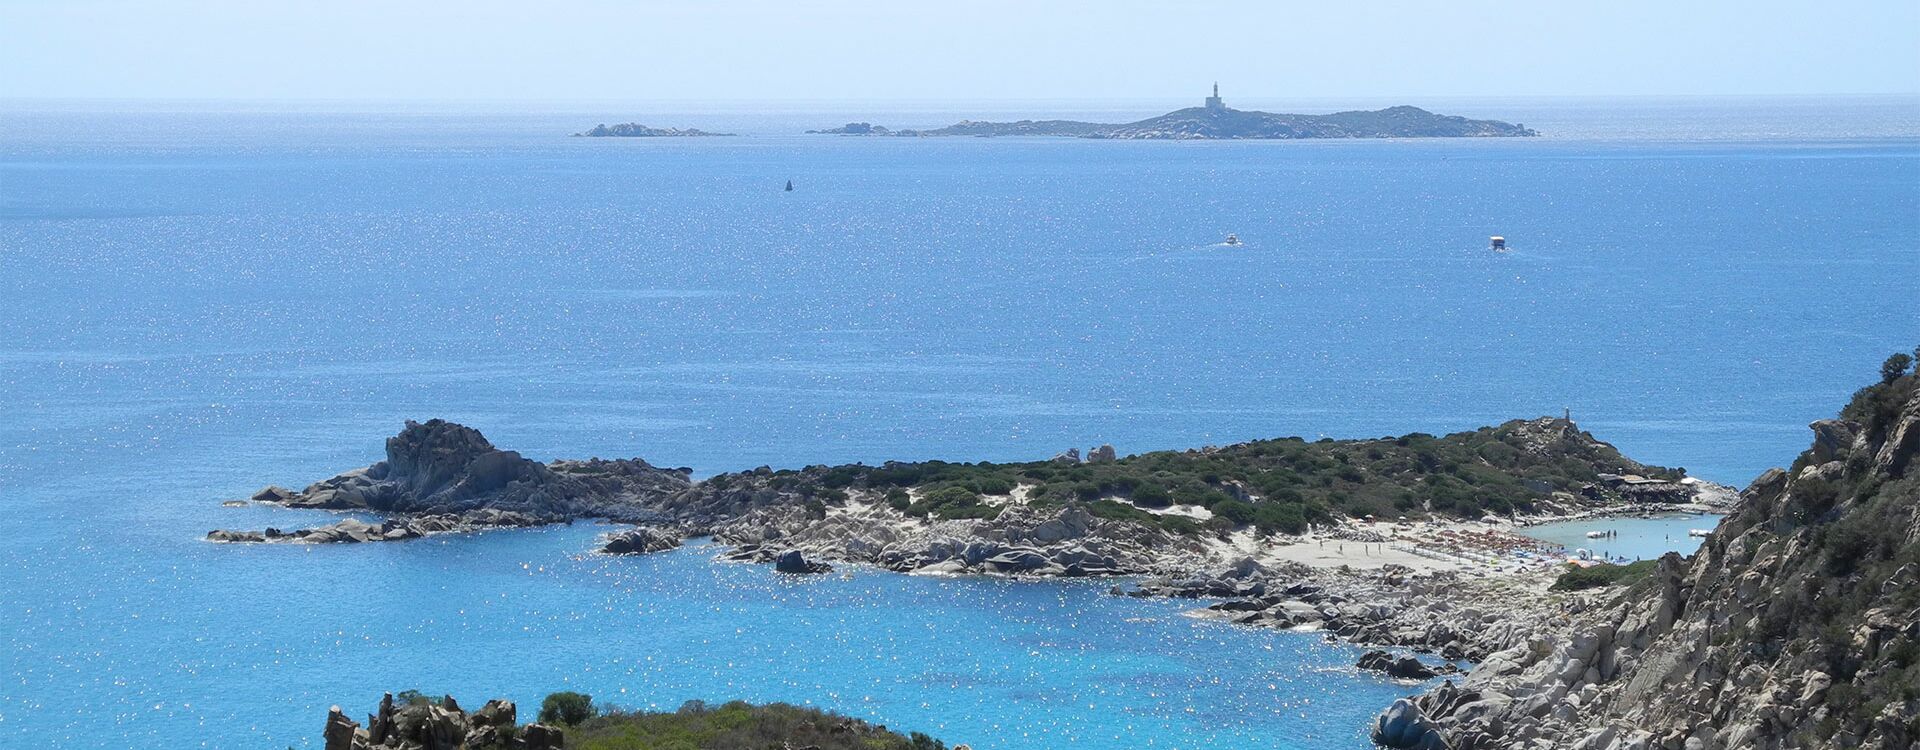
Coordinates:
(637, 130)
(1214, 120)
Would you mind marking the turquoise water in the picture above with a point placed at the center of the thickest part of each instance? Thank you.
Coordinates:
(1634, 538)
(199, 303)
(219, 661)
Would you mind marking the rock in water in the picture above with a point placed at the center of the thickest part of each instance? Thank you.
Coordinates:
(792, 561)
(1405, 667)
(640, 541)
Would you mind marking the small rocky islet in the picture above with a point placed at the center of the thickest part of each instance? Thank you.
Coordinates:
(1793, 626)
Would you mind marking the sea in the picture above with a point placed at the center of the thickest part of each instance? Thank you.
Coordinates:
(198, 299)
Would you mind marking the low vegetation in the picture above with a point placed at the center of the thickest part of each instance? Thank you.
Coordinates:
(1279, 485)
(735, 726)
(1605, 574)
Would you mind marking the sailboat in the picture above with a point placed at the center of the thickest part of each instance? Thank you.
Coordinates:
(789, 186)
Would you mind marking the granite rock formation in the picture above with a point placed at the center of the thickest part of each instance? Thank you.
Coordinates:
(441, 476)
(1796, 625)
(439, 726)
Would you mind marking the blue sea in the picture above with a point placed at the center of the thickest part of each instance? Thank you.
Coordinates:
(197, 300)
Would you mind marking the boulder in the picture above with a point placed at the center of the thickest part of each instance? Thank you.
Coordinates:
(793, 561)
(1404, 726)
(542, 737)
(496, 713)
(1019, 560)
(1405, 667)
(1102, 455)
(1832, 439)
(640, 541)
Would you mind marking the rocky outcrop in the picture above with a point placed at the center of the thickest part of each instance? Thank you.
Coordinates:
(440, 476)
(441, 726)
(640, 541)
(1403, 667)
(795, 561)
(1796, 625)
(1459, 617)
(1060, 541)
(391, 530)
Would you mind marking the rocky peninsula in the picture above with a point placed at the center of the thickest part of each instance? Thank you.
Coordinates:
(1215, 120)
(1418, 501)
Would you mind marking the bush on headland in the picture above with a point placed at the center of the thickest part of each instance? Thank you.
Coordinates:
(1277, 486)
(567, 707)
(572, 721)
(739, 726)
(1605, 574)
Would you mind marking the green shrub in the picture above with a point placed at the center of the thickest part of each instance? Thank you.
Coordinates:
(738, 726)
(567, 707)
(1152, 496)
(1605, 574)
(1236, 512)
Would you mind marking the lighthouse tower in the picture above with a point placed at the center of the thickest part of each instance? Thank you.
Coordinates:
(1213, 102)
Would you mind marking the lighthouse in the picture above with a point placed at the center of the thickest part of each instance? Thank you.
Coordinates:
(1213, 102)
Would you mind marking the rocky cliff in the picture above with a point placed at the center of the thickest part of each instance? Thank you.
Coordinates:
(1796, 625)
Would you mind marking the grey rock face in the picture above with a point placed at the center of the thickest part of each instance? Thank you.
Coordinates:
(1728, 649)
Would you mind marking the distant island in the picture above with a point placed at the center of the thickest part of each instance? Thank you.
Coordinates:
(1215, 120)
(636, 130)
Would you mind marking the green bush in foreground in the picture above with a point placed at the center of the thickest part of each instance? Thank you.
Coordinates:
(566, 708)
(1580, 579)
(738, 726)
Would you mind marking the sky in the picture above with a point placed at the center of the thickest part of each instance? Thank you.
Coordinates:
(901, 50)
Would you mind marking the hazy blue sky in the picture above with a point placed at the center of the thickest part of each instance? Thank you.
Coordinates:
(969, 49)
